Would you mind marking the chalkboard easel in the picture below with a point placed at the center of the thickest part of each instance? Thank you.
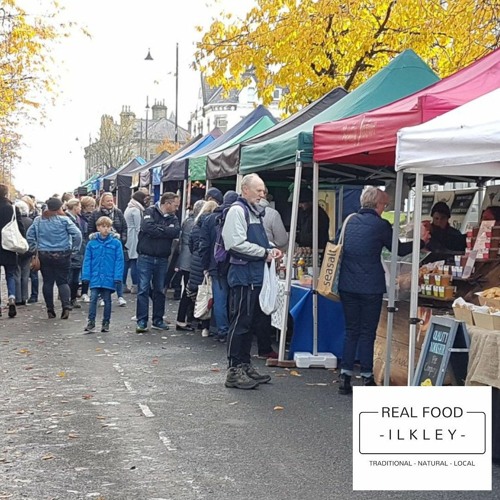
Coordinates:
(446, 343)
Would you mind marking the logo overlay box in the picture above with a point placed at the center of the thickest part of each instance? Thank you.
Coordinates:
(422, 438)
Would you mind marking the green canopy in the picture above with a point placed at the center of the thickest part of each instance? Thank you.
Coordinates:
(90, 180)
(404, 75)
(198, 165)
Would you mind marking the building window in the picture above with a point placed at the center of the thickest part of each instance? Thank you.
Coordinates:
(277, 94)
(221, 122)
(251, 94)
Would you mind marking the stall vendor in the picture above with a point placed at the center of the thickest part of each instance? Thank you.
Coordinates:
(444, 238)
(491, 213)
(305, 222)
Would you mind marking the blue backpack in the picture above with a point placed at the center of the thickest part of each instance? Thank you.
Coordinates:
(221, 255)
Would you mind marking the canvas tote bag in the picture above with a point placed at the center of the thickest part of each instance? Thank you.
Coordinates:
(328, 281)
(204, 299)
(12, 239)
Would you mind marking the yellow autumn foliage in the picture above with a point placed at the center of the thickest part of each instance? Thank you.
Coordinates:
(312, 46)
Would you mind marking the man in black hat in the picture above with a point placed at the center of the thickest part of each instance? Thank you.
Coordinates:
(444, 238)
(305, 222)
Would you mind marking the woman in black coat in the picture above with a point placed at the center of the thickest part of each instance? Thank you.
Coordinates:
(9, 259)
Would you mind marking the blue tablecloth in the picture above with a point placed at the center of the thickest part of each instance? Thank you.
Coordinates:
(331, 325)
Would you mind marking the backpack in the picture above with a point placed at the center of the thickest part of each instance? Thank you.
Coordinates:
(221, 255)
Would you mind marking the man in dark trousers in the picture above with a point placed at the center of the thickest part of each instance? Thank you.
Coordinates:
(246, 241)
(159, 228)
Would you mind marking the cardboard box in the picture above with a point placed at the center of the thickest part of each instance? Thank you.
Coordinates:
(488, 302)
(486, 321)
(464, 314)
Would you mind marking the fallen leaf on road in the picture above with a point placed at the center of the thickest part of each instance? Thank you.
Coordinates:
(25, 351)
(28, 368)
(61, 374)
(155, 361)
(278, 408)
(87, 396)
(100, 417)
(73, 436)
(214, 369)
(295, 373)
(49, 456)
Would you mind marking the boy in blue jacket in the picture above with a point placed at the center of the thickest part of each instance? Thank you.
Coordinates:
(103, 270)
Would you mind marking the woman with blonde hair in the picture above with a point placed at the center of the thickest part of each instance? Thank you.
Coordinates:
(55, 237)
(197, 265)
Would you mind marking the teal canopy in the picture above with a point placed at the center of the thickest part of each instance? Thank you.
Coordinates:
(404, 75)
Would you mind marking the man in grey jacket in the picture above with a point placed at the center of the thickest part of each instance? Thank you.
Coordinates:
(249, 250)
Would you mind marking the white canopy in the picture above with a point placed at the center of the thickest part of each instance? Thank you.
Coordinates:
(464, 141)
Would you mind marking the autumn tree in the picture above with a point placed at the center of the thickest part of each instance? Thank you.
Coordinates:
(114, 147)
(311, 46)
(168, 146)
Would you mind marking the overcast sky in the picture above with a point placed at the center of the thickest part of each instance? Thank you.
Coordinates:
(101, 74)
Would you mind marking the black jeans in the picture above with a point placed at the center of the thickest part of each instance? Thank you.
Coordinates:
(74, 281)
(186, 304)
(362, 314)
(54, 267)
(246, 318)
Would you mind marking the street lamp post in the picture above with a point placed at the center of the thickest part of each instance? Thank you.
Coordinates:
(176, 123)
(146, 153)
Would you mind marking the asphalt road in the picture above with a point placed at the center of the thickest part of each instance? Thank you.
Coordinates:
(125, 416)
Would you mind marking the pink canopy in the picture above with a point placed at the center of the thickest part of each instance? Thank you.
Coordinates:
(370, 138)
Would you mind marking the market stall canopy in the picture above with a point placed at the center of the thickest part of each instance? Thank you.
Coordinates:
(126, 169)
(370, 138)
(141, 175)
(90, 180)
(197, 162)
(199, 143)
(464, 141)
(215, 160)
(227, 162)
(404, 75)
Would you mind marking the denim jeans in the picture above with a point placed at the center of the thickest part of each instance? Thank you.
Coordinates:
(151, 269)
(220, 291)
(34, 284)
(362, 314)
(104, 294)
(74, 281)
(55, 270)
(10, 276)
(22, 278)
(132, 265)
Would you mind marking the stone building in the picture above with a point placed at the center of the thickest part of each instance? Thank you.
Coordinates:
(141, 138)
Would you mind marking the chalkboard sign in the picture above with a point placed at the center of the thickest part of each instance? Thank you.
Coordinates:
(427, 203)
(462, 202)
(446, 342)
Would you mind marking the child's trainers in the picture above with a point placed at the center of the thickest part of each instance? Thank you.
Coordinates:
(90, 327)
(105, 326)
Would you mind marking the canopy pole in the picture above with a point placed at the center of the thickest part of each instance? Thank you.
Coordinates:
(290, 252)
(391, 307)
(184, 200)
(239, 177)
(415, 263)
(480, 197)
(208, 184)
(315, 256)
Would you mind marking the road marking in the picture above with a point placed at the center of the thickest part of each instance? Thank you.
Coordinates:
(146, 411)
(166, 441)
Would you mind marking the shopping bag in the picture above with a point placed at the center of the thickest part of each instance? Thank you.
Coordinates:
(269, 292)
(204, 299)
(12, 239)
(328, 281)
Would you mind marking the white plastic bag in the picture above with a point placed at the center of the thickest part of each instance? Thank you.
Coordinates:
(204, 299)
(12, 239)
(269, 291)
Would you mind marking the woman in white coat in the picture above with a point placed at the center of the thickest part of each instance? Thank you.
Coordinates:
(133, 216)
